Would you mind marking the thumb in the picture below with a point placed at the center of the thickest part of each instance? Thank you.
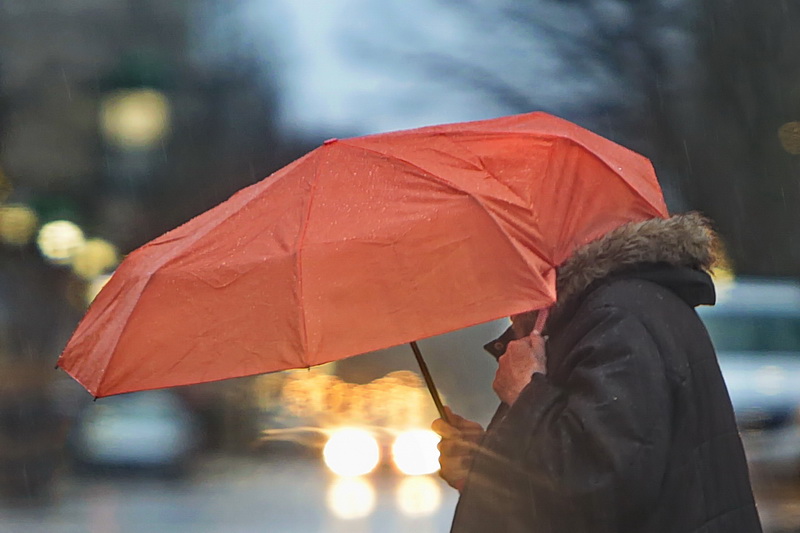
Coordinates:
(444, 429)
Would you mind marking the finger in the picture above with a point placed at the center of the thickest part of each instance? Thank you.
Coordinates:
(456, 447)
(444, 429)
(464, 425)
(536, 339)
(517, 347)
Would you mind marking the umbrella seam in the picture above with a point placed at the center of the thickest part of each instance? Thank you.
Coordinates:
(511, 191)
(557, 143)
(481, 166)
(627, 184)
(470, 194)
(299, 263)
(135, 305)
(556, 135)
(194, 237)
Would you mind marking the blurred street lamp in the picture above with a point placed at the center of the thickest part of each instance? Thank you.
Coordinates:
(135, 119)
(18, 224)
(60, 240)
(95, 257)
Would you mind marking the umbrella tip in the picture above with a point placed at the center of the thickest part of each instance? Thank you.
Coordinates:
(330, 141)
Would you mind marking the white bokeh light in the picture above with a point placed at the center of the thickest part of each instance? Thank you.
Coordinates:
(351, 498)
(415, 452)
(351, 452)
(60, 240)
(419, 496)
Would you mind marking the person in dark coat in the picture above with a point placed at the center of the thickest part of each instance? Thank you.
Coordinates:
(617, 418)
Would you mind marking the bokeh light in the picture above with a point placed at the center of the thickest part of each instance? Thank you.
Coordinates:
(789, 136)
(95, 286)
(415, 452)
(135, 118)
(18, 224)
(351, 452)
(351, 498)
(60, 240)
(419, 496)
(398, 400)
(95, 257)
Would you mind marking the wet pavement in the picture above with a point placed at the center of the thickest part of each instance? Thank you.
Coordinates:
(288, 494)
(239, 496)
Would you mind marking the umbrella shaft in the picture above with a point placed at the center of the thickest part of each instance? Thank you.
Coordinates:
(429, 380)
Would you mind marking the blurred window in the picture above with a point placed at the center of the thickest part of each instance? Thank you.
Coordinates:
(753, 333)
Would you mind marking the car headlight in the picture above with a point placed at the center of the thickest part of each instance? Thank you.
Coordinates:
(418, 496)
(351, 498)
(770, 380)
(415, 452)
(351, 452)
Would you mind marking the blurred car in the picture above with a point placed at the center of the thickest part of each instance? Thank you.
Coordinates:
(355, 451)
(357, 428)
(755, 328)
(152, 430)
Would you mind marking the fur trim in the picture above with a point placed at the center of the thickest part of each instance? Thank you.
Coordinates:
(681, 240)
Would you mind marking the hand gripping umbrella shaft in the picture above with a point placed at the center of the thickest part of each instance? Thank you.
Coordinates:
(429, 382)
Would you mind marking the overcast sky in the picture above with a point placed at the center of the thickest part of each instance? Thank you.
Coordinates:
(351, 67)
(357, 66)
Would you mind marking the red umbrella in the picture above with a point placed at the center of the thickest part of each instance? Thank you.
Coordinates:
(361, 244)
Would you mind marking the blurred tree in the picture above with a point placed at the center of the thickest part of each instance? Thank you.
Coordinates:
(747, 86)
(700, 89)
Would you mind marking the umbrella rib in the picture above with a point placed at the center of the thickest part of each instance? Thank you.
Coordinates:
(189, 240)
(192, 238)
(628, 184)
(246, 196)
(583, 144)
(299, 263)
(471, 195)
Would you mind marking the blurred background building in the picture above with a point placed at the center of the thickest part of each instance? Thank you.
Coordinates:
(121, 119)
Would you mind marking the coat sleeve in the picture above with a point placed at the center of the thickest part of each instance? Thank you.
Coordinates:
(599, 440)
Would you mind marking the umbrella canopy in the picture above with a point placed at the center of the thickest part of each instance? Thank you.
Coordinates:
(359, 245)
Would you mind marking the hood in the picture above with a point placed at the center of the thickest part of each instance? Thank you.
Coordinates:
(686, 241)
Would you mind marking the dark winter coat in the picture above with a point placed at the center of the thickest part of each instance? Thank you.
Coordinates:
(632, 429)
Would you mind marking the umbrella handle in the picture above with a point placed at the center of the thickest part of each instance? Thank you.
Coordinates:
(429, 382)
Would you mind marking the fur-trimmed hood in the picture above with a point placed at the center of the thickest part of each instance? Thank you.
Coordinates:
(682, 240)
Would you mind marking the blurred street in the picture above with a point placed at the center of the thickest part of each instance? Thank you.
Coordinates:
(285, 494)
(232, 495)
